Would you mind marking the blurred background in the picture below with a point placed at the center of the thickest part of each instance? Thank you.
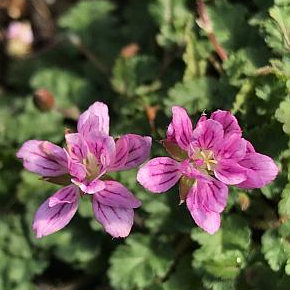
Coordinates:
(142, 57)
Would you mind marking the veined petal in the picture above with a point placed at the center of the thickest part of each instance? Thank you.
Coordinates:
(76, 168)
(209, 134)
(90, 128)
(50, 219)
(68, 194)
(117, 221)
(250, 147)
(182, 127)
(228, 121)
(121, 154)
(117, 195)
(103, 147)
(230, 172)
(215, 195)
(43, 158)
(234, 147)
(76, 146)
(170, 135)
(90, 187)
(260, 170)
(190, 171)
(138, 148)
(100, 110)
(159, 174)
(205, 218)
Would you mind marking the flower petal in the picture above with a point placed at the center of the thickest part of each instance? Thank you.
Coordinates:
(103, 147)
(90, 128)
(68, 194)
(117, 221)
(50, 219)
(228, 121)
(205, 218)
(159, 174)
(260, 170)
(99, 110)
(190, 171)
(209, 134)
(215, 195)
(76, 146)
(181, 126)
(234, 147)
(170, 135)
(43, 158)
(90, 187)
(117, 195)
(121, 154)
(230, 172)
(138, 151)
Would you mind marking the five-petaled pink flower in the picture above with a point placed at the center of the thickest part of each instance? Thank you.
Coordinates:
(206, 160)
(90, 154)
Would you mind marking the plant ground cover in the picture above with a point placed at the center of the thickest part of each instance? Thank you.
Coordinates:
(141, 58)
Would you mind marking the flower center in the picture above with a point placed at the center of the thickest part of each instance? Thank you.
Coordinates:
(204, 160)
(93, 167)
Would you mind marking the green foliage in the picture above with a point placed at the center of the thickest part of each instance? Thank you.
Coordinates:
(174, 62)
(146, 260)
(223, 255)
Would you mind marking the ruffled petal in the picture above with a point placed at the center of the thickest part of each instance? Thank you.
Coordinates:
(68, 194)
(121, 155)
(117, 195)
(90, 128)
(230, 172)
(100, 110)
(117, 221)
(187, 169)
(208, 135)
(138, 150)
(234, 147)
(170, 135)
(228, 121)
(215, 195)
(159, 174)
(76, 146)
(104, 149)
(260, 170)
(43, 158)
(205, 218)
(56, 212)
(90, 187)
(181, 127)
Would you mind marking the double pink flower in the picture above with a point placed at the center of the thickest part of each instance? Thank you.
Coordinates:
(206, 160)
(83, 166)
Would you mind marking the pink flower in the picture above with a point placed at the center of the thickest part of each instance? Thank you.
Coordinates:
(205, 161)
(82, 167)
(19, 38)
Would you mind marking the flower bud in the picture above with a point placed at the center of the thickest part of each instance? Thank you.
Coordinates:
(130, 50)
(43, 100)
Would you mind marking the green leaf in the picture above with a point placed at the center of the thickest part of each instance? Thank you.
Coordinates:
(284, 204)
(232, 29)
(276, 249)
(139, 262)
(195, 95)
(278, 30)
(172, 16)
(183, 277)
(283, 115)
(68, 88)
(224, 254)
(131, 74)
